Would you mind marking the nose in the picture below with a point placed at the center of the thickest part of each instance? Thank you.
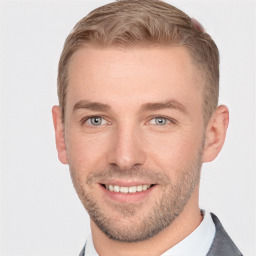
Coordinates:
(127, 149)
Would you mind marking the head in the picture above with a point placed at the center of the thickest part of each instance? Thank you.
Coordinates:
(138, 94)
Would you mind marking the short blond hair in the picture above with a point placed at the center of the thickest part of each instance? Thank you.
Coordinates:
(130, 23)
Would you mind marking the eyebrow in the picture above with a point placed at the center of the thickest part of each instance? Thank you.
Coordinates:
(94, 106)
(170, 104)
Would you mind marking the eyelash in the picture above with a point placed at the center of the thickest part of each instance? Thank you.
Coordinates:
(168, 119)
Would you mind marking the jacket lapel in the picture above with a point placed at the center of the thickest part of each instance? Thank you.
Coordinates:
(222, 243)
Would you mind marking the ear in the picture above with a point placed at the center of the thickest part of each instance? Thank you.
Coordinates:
(216, 133)
(59, 135)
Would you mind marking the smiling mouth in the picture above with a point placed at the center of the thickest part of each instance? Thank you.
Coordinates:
(125, 190)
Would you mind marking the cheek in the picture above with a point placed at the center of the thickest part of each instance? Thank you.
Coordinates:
(174, 152)
(85, 153)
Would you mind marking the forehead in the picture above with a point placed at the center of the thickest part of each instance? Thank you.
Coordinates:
(139, 74)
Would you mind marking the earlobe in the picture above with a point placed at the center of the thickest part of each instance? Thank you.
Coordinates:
(216, 133)
(59, 135)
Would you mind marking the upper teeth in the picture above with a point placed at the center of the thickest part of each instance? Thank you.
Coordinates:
(131, 189)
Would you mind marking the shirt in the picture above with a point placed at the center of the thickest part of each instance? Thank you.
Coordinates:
(197, 243)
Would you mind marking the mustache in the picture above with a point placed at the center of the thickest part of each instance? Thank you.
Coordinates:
(135, 173)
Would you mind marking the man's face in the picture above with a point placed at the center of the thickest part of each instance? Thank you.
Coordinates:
(134, 136)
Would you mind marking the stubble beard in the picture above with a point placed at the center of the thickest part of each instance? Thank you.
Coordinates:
(133, 224)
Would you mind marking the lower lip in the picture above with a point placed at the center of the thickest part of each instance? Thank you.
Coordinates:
(127, 197)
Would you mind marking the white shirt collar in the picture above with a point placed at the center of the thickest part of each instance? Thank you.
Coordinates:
(197, 243)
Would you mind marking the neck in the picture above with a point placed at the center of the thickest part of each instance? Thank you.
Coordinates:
(181, 227)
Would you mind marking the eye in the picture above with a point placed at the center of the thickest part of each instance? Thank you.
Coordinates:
(159, 121)
(96, 121)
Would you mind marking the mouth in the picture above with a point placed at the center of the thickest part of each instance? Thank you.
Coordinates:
(126, 190)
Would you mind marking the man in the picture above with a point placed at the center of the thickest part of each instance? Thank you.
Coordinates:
(138, 115)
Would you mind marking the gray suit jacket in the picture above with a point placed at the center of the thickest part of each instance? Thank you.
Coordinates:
(222, 244)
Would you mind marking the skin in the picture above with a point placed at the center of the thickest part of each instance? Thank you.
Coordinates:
(130, 139)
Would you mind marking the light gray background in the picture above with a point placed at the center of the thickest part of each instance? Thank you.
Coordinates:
(40, 212)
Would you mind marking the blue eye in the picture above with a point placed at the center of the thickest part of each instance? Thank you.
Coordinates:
(96, 121)
(159, 121)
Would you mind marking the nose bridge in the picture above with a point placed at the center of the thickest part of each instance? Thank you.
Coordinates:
(127, 149)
